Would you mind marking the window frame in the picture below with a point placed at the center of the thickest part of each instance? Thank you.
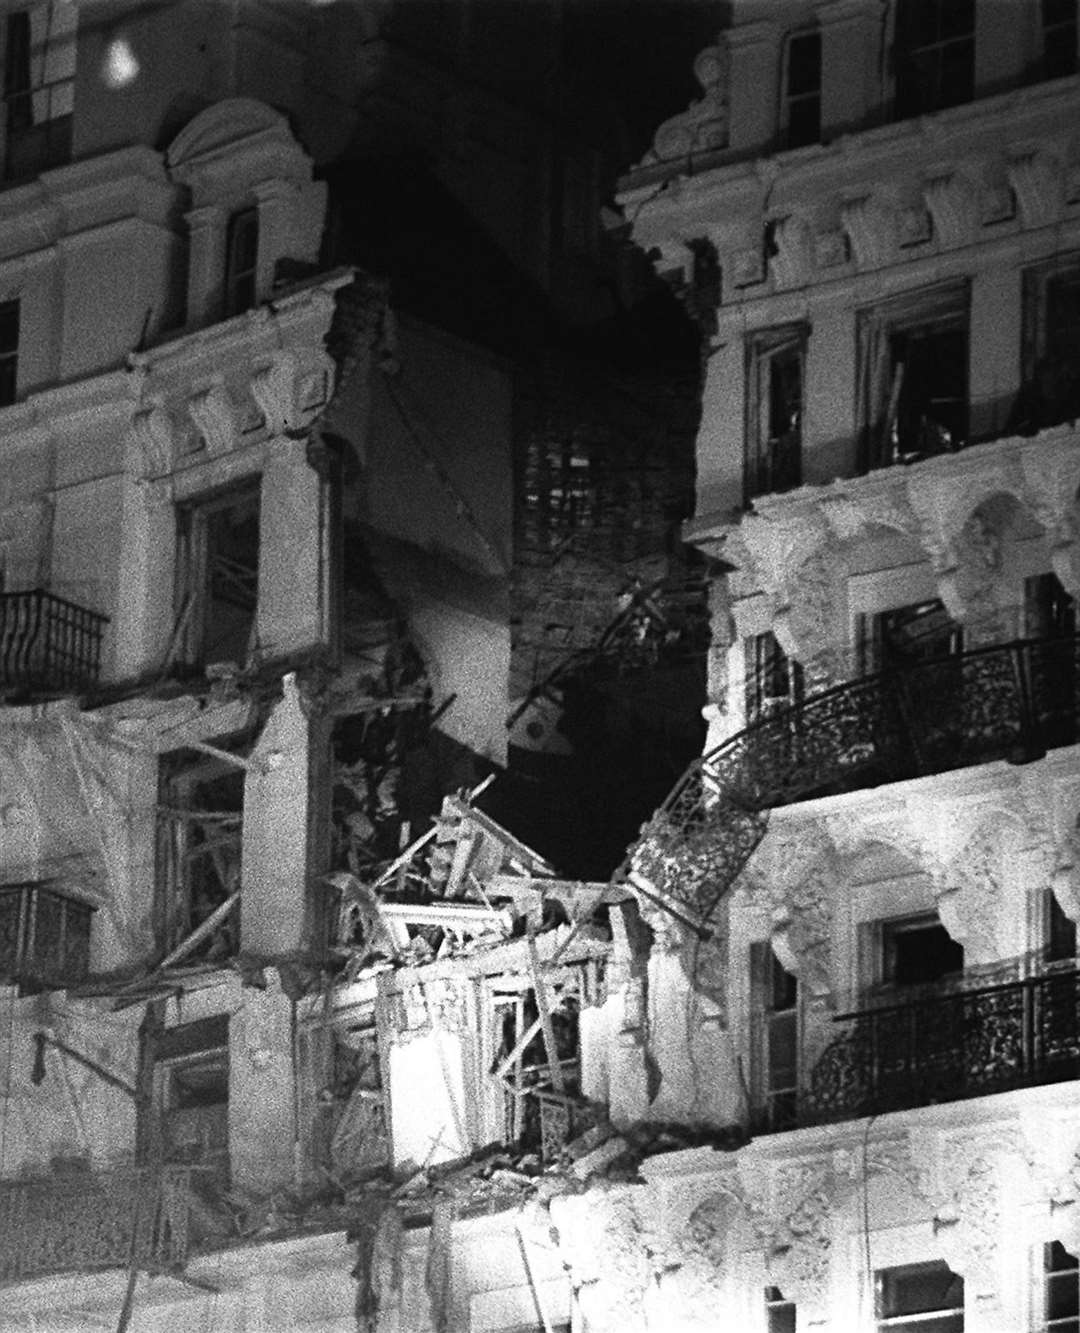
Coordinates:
(10, 319)
(1059, 56)
(767, 1096)
(912, 1321)
(240, 279)
(908, 97)
(790, 100)
(772, 462)
(38, 100)
(1029, 413)
(929, 311)
(1041, 1320)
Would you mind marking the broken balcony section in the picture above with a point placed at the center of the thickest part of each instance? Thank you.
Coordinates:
(44, 935)
(48, 645)
(200, 825)
(476, 963)
(217, 564)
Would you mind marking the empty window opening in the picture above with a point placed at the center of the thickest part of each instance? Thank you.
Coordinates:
(1050, 357)
(918, 951)
(779, 1312)
(1059, 37)
(1060, 1303)
(775, 1004)
(774, 411)
(802, 90)
(241, 260)
(927, 1297)
(39, 87)
(44, 935)
(1049, 611)
(200, 827)
(934, 55)
(773, 680)
(9, 351)
(218, 577)
(913, 356)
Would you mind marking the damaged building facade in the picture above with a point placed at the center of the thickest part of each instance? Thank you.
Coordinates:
(276, 1052)
(882, 200)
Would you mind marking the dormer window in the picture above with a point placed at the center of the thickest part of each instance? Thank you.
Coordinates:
(241, 259)
(39, 87)
(934, 55)
(802, 90)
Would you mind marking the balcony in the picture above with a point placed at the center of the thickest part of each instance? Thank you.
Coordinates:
(949, 1043)
(47, 645)
(82, 1220)
(44, 935)
(1010, 701)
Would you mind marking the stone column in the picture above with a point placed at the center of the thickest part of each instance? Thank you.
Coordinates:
(292, 612)
(275, 833)
(143, 616)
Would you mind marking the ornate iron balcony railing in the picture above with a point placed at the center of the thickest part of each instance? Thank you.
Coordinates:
(1008, 701)
(949, 1044)
(83, 1220)
(47, 645)
(44, 935)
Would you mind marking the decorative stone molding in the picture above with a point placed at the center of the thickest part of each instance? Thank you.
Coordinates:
(1039, 184)
(954, 208)
(1051, 482)
(794, 260)
(274, 390)
(793, 870)
(212, 413)
(153, 436)
(703, 127)
(871, 228)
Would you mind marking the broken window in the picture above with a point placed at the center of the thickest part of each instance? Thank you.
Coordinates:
(774, 404)
(927, 1297)
(341, 1088)
(913, 368)
(1050, 358)
(802, 90)
(200, 824)
(217, 578)
(191, 1094)
(913, 951)
(933, 55)
(241, 260)
(39, 87)
(775, 1005)
(44, 935)
(538, 1100)
(1059, 37)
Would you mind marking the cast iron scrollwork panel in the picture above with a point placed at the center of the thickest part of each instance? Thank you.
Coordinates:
(949, 1045)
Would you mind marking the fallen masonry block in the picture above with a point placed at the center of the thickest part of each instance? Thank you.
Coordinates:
(600, 1157)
